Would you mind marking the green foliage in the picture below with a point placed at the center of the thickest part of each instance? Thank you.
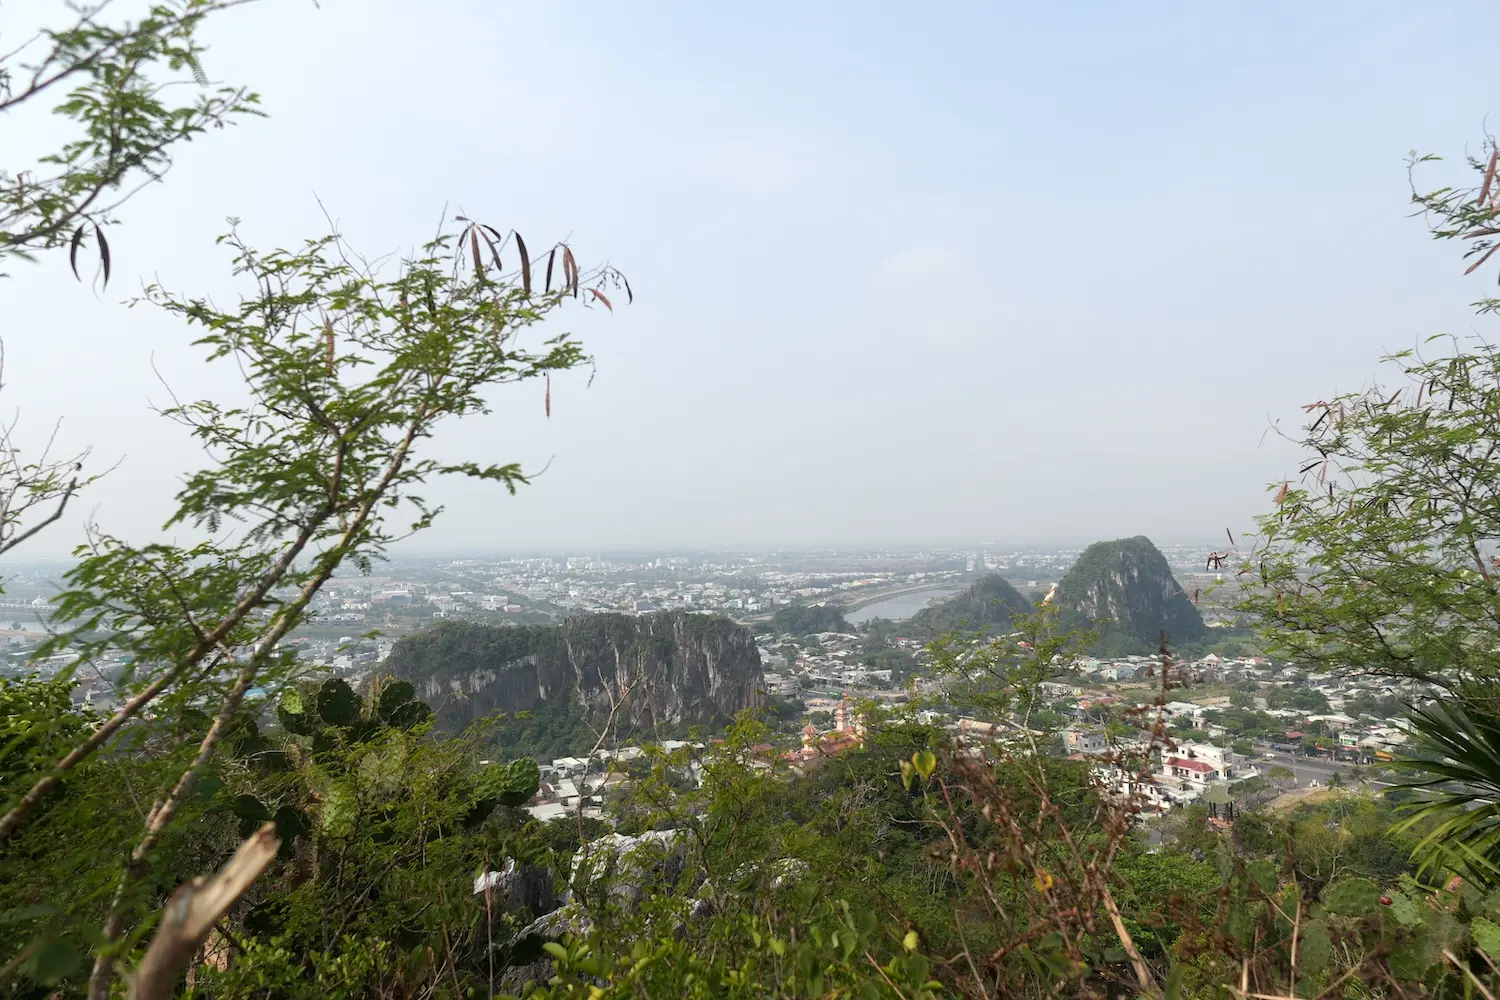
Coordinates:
(37, 725)
(1299, 698)
(131, 92)
(995, 676)
(830, 952)
(553, 729)
(1453, 757)
(809, 619)
(1248, 723)
(393, 698)
(989, 605)
(1352, 897)
(900, 662)
(337, 704)
(511, 784)
(1380, 562)
(348, 370)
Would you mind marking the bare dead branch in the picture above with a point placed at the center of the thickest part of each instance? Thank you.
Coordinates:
(191, 913)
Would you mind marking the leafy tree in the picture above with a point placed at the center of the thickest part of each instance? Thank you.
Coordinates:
(128, 93)
(1379, 707)
(349, 371)
(1381, 559)
(810, 619)
(1297, 698)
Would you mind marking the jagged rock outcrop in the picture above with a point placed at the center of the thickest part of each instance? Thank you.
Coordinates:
(679, 668)
(989, 605)
(1128, 583)
(616, 872)
(519, 888)
(624, 868)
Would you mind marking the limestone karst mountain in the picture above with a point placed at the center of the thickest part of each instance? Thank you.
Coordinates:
(989, 605)
(1127, 585)
(678, 668)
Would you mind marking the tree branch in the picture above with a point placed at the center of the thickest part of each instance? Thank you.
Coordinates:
(191, 913)
(15, 540)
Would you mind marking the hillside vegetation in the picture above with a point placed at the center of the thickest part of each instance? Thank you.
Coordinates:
(991, 604)
(809, 620)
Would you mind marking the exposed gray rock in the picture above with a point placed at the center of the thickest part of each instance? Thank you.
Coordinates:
(680, 667)
(520, 887)
(626, 868)
(559, 923)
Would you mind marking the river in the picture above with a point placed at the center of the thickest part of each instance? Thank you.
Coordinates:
(901, 606)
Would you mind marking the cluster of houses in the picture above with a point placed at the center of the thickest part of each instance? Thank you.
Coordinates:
(571, 785)
(1170, 778)
(835, 662)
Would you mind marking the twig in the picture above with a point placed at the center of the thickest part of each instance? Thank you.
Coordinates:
(156, 824)
(871, 959)
(15, 540)
(1470, 973)
(1296, 930)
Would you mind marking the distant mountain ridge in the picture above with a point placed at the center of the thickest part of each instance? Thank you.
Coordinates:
(678, 667)
(990, 604)
(1129, 582)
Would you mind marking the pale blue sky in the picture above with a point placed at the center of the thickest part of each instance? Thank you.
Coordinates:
(903, 272)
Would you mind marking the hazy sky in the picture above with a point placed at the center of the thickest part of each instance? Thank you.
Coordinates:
(902, 271)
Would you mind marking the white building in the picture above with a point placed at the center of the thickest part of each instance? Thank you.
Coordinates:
(1180, 777)
(1192, 767)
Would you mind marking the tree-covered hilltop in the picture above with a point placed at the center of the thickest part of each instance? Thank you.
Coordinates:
(809, 619)
(989, 605)
(1127, 586)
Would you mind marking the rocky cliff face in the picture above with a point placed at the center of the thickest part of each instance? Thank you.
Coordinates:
(1128, 582)
(680, 668)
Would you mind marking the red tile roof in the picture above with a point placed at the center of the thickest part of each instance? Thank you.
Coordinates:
(1191, 765)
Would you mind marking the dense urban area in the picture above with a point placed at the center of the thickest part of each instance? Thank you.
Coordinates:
(1239, 721)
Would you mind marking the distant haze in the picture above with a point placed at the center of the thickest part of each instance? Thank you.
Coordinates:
(902, 272)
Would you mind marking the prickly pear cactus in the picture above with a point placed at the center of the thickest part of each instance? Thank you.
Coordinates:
(511, 784)
(1352, 897)
(338, 705)
(292, 712)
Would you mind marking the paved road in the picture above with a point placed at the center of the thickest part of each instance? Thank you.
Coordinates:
(1311, 769)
